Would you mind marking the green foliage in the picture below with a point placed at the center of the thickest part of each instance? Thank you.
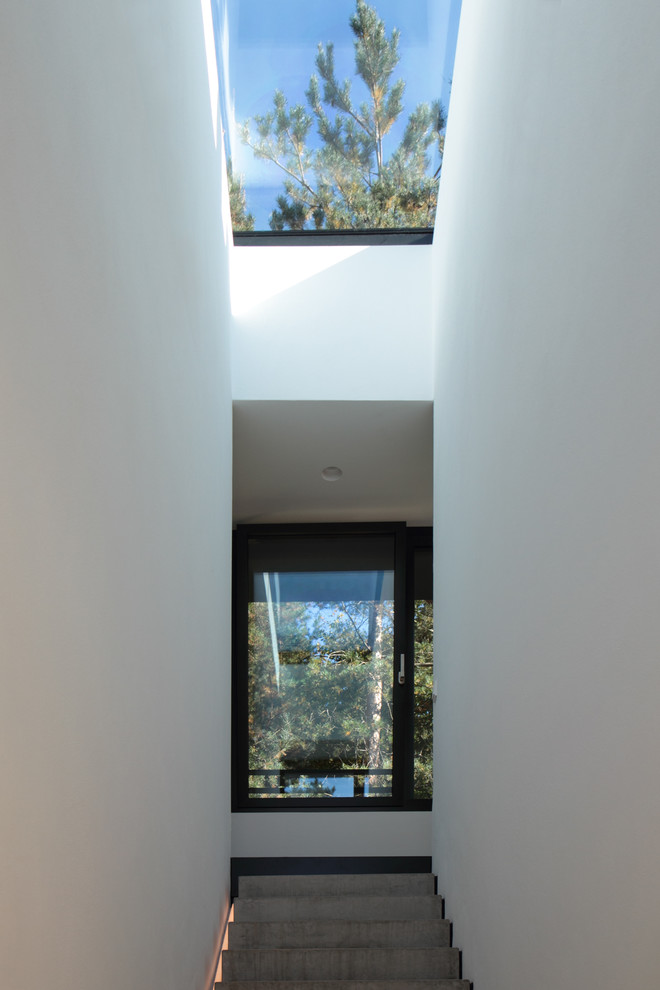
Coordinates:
(423, 709)
(326, 710)
(347, 181)
(240, 218)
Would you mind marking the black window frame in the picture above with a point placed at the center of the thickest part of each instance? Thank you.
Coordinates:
(417, 538)
(406, 540)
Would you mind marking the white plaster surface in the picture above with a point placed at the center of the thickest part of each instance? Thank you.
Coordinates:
(372, 833)
(114, 501)
(385, 450)
(332, 323)
(547, 827)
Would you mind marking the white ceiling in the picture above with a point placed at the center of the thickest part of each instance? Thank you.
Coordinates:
(385, 450)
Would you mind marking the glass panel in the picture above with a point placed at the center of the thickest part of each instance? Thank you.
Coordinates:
(334, 113)
(423, 673)
(320, 668)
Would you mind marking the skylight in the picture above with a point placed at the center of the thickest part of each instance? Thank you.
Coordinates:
(334, 111)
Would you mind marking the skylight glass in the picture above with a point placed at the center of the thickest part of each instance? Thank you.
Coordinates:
(334, 111)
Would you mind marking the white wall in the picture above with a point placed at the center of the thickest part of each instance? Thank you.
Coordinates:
(334, 833)
(114, 500)
(547, 826)
(332, 323)
(328, 323)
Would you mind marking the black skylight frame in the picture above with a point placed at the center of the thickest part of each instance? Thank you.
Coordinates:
(383, 236)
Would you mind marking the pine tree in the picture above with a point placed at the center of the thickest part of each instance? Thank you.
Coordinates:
(423, 711)
(240, 218)
(347, 181)
(330, 708)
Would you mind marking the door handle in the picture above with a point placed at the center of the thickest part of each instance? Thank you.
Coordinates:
(402, 669)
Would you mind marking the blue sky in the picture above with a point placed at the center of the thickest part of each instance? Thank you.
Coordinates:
(273, 44)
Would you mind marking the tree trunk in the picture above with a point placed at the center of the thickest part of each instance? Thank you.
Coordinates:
(375, 692)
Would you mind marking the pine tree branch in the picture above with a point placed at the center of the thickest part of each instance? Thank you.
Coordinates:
(261, 152)
(360, 634)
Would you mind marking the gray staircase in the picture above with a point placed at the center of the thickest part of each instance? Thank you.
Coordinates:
(340, 932)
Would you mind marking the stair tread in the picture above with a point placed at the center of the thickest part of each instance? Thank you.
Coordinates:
(397, 950)
(339, 907)
(339, 933)
(341, 963)
(433, 984)
(337, 883)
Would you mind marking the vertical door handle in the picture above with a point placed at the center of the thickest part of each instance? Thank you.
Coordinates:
(402, 669)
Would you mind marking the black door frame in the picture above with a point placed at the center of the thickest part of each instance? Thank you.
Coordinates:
(406, 540)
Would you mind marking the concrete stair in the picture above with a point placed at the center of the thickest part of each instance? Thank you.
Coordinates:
(340, 932)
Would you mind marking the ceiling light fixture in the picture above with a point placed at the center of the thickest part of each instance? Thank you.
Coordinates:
(331, 473)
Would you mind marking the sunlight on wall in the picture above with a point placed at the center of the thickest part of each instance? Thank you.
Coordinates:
(258, 274)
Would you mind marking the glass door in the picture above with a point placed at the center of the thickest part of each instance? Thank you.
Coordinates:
(319, 676)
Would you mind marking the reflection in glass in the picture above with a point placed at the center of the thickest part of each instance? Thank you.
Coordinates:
(320, 661)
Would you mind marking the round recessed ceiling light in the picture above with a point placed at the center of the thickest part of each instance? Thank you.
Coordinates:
(331, 473)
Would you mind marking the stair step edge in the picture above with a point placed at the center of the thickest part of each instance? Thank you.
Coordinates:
(340, 933)
(424, 984)
(339, 907)
(332, 884)
(342, 964)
